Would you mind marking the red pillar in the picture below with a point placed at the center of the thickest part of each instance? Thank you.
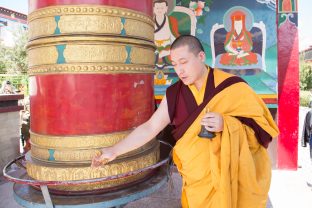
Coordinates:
(288, 86)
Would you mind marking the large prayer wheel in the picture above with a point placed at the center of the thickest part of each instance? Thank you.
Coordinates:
(91, 82)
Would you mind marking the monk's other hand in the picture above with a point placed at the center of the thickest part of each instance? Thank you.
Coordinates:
(213, 122)
(101, 158)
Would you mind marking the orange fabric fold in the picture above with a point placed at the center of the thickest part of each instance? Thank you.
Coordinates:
(233, 170)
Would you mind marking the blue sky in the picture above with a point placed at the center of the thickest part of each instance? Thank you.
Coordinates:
(304, 23)
(16, 5)
(305, 16)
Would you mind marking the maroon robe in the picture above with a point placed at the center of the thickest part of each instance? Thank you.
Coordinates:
(183, 109)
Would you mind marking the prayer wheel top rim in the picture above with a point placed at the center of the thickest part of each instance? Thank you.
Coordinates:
(91, 20)
(51, 11)
(145, 6)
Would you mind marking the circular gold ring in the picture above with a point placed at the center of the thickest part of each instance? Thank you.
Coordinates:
(76, 142)
(87, 56)
(75, 156)
(89, 19)
(90, 69)
(60, 172)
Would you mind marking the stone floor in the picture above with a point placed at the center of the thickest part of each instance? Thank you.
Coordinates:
(288, 190)
(166, 197)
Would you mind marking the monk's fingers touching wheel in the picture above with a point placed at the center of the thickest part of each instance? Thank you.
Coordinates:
(98, 154)
(95, 163)
(98, 161)
(104, 161)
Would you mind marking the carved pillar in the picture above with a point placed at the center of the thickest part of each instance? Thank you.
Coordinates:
(288, 84)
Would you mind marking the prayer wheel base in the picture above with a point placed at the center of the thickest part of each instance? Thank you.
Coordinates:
(56, 172)
(26, 196)
(101, 188)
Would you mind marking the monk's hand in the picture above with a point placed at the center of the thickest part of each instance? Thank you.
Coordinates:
(213, 122)
(101, 158)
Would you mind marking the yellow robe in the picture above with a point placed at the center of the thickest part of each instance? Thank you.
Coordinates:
(232, 170)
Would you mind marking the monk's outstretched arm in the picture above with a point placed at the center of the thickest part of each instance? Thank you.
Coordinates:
(140, 136)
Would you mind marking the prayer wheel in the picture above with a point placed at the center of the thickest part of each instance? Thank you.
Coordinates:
(91, 82)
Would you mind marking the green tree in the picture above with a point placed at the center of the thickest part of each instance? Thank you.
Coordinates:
(18, 55)
(13, 60)
(305, 76)
(3, 59)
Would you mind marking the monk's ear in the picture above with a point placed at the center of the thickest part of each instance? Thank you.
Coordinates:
(202, 56)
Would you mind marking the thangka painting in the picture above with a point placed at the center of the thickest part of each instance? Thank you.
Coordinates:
(239, 37)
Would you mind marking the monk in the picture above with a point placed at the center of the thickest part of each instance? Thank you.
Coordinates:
(231, 170)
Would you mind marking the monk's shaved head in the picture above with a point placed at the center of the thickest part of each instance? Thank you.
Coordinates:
(192, 42)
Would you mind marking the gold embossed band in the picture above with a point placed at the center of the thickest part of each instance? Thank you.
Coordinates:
(90, 69)
(102, 185)
(78, 156)
(88, 19)
(46, 172)
(97, 55)
(76, 142)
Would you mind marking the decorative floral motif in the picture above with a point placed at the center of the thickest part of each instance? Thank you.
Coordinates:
(197, 7)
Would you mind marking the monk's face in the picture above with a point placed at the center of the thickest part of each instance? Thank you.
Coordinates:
(188, 66)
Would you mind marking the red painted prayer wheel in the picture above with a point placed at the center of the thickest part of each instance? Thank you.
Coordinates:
(91, 82)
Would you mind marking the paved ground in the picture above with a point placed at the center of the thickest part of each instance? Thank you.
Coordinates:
(288, 189)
